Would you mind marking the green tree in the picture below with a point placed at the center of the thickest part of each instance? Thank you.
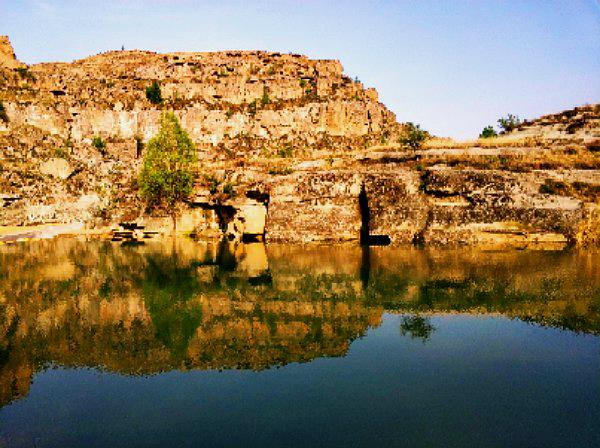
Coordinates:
(167, 177)
(488, 132)
(509, 122)
(413, 135)
(153, 93)
(417, 327)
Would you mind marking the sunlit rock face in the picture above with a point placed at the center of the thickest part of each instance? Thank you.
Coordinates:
(292, 97)
(307, 155)
(157, 307)
(7, 55)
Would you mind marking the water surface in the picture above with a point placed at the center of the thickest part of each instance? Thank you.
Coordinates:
(198, 344)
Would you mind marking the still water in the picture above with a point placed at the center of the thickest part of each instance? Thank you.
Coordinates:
(193, 344)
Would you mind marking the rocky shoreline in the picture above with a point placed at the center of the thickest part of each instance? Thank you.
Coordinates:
(290, 150)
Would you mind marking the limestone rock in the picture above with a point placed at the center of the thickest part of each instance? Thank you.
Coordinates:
(7, 54)
(56, 167)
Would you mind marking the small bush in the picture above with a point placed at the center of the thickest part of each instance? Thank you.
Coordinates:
(98, 143)
(302, 83)
(3, 114)
(252, 108)
(509, 122)
(280, 171)
(413, 136)
(61, 153)
(24, 73)
(553, 187)
(265, 97)
(488, 132)
(228, 190)
(212, 183)
(154, 94)
(286, 152)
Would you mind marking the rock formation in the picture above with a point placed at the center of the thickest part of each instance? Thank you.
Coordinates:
(7, 55)
(290, 149)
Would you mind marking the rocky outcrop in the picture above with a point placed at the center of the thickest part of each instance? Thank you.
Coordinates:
(7, 55)
(290, 149)
(578, 124)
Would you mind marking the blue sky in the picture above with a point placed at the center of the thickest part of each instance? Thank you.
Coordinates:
(452, 66)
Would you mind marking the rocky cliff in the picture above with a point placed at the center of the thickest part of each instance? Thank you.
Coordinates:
(290, 149)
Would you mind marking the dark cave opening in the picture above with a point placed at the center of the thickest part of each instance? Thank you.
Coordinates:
(366, 238)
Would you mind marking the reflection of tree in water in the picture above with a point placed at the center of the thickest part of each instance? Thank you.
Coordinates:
(169, 291)
(417, 327)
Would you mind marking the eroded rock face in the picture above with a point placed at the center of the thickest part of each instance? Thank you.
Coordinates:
(219, 97)
(7, 54)
(56, 167)
(307, 154)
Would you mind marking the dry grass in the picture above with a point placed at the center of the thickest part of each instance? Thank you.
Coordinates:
(502, 141)
(524, 161)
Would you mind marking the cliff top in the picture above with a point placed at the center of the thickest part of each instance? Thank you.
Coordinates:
(7, 54)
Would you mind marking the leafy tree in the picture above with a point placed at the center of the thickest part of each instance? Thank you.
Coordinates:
(153, 93)
(166, 179)
(417, 327)
(509, 122)
(413, 136)
(488, 132)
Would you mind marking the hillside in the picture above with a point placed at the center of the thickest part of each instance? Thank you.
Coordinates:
(290, 149)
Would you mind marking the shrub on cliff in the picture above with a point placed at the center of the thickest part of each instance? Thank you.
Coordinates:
(413, 136)
(167, 176)
(488, 132)
(509, 122)
(154, 94)
(99, 144)
(265, 97)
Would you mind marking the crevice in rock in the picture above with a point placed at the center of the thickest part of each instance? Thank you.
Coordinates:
(225, 214)
(366, 239)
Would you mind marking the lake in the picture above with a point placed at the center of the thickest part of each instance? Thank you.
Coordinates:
(195, 344)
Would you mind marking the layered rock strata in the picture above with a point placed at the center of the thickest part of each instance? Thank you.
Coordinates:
(290, 149)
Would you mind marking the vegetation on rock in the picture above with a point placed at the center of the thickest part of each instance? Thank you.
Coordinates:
(154, 94)
(265, 97)
(98, 143)
(509, 123)
(413, 136)
(167, 175)
(488, 132)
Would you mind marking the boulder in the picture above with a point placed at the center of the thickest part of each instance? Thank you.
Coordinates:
(56, 167)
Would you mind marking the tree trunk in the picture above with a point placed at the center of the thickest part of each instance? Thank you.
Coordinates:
(174, 218)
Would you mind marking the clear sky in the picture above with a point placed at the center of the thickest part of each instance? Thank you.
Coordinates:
(452, 66)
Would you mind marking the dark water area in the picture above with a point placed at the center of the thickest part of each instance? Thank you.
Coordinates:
(195, 344)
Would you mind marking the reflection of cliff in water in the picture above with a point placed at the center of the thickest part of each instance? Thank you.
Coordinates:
(147, 309)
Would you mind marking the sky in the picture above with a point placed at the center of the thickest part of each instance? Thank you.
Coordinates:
(451, 66)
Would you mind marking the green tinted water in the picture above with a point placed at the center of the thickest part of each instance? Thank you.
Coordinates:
(247, 345)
